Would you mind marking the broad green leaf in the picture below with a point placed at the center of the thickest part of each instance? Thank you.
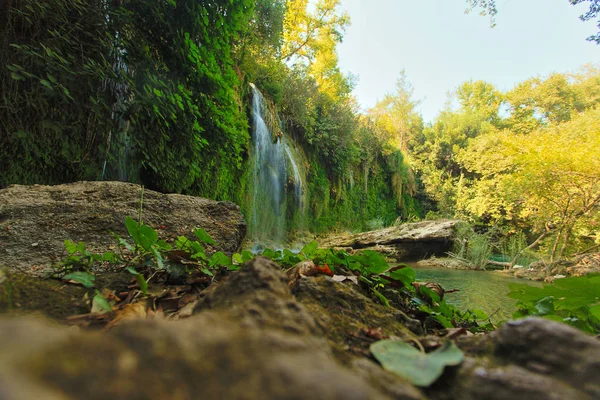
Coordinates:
(545, 306)
(183, 243)
(133, 228)
(70, 247)
(85, 278)
(81, 247)
(207, 271)
(148, 237)
(247, 256)
(164, 245)
(595, 311)
(203, 236)
(219, 259)
(373, 261)
(110, 257)
(309, 249)
(405, 275)
(237, 258)
(100, 305)
(421, 369)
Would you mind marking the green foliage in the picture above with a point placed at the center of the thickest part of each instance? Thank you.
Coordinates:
(145, 255)
(418, 367)
(574, 300)
(94, 90)
(379, 278)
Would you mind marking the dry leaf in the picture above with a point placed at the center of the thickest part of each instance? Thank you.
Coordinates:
(128, 312)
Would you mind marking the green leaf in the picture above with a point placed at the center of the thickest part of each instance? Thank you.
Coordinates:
(46, 83)
(237, 258)
(545, 306)
(158, 258)
(164, 245)
(110, 257)
(207, 271)
(247, 256)
(133, 228)
(309, 249)
(595, 311)
(81, 247)
(100, 304)
(70, 247)
(373, 261)
(421, 369)
(147, 237)
(203, 236)
(143, 283)
(405, 275)
(219, 258)
(85, 278)
(132, 271)
(381, 297)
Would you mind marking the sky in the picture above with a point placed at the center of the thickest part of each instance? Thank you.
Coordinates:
(439, 46)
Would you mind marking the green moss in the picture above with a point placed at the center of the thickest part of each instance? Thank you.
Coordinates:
(23, 293)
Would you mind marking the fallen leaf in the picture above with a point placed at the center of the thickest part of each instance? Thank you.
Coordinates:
(452, 333)
(343, 278)
(128, 312)
(187, 310)
(324, 270)
(375, 333)
(421, 369)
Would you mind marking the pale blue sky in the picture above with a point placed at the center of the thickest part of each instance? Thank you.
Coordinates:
(440, 46)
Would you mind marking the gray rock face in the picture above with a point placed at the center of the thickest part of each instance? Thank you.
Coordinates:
(408, 241)
(35, 220)
(532, 358)
(552, 349)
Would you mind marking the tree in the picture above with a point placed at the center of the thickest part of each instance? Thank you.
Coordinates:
(549, 178)
(396, 116)
(311, 38)
(488, 7)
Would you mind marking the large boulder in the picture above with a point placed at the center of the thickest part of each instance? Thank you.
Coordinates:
(410, 241)
(35, 220)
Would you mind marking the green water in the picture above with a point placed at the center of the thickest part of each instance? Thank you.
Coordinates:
(483, 290)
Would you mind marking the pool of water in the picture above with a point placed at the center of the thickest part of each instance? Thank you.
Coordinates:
(483, 290)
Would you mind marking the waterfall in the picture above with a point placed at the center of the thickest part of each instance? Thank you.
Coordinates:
(272, 162)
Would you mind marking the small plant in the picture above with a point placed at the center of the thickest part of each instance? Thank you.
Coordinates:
(144, 250)
(574, 300)
(379, 278)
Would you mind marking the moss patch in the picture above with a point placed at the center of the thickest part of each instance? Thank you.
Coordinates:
(23, 294)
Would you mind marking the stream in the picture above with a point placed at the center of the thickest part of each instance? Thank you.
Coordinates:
(483, 290)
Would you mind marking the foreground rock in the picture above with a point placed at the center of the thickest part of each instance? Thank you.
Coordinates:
(250, 339)
(530, 359)
(412, 241)
(254, 337)
(35, 220)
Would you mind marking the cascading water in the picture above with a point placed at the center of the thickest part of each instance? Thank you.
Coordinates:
(271, 155)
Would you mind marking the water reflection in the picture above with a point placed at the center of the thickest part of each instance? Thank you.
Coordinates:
(483, 290)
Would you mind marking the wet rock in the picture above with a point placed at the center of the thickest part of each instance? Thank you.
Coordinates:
(417, 240)
(553, 349)
(479, 380)
(35, 220)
